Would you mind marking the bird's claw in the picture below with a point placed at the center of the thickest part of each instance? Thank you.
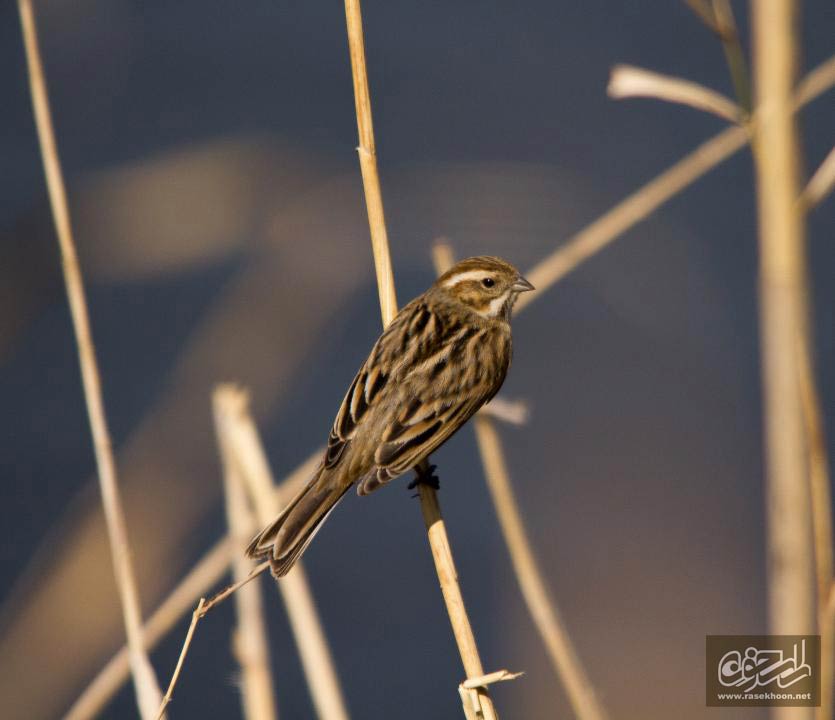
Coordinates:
(425, 477)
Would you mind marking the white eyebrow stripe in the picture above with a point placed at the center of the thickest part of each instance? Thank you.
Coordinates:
(464, 276)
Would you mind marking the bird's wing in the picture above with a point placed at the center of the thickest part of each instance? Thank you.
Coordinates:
(361, 396)
(420, 383)
(417, 432)
(369, 384)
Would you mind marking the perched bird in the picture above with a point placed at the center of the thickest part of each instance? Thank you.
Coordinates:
(443, 356)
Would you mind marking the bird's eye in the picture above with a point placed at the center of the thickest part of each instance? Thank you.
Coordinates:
(488, 282)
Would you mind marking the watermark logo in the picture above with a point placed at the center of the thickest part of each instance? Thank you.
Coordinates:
(763, 670)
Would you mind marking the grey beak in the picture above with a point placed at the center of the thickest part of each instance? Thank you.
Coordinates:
(522, 285)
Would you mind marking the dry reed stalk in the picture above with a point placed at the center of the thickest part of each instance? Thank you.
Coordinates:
(436, 530)
(249, 641)
(250, 460)
(169, 693)
(627, 81)
(199, 613)
(542, 608)
(734, 55)
(647, 199)
(451, 590)
(230, 590)
(783, 288)
(719, 18)
(705, 12)
(367, 152)
(208, 570)
(821, 182)
(148, 694)
(816, 189)
(816, 82)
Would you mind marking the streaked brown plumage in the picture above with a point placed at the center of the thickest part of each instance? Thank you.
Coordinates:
(445, 354)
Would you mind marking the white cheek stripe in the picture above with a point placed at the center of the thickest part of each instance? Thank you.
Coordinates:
(496, 305)
(464, 276)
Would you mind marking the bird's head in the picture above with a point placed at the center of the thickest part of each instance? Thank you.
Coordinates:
(487, 285)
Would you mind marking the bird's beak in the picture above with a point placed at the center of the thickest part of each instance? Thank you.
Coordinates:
(522, 285)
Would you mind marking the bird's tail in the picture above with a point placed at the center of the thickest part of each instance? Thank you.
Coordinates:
(284, 540)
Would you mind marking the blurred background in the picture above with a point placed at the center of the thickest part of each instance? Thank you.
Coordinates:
(209, 155)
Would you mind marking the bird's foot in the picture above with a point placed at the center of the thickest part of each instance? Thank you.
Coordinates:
(425, 476)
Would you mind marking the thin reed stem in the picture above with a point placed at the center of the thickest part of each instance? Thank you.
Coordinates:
(784, 323)
(202, 609)
(148, 694)
(718, 16)
(230, 590)
(250, 460)
(821, 183)
(734, 55)
(451, 590)
(436, 529)
(815, 83)
(541, 606)
(169, 693)
(367, 152)
(249, 640)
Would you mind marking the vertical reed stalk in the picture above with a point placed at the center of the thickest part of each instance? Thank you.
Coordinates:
(783, 323)
(148, 694)
(367, 152)
(436, 529)
(250, 460)
(249, 641)
(451, 590)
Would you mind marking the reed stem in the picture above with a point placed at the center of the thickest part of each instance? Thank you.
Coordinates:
(784, 325)
(430, 508)
(249, 640)
(148, 694)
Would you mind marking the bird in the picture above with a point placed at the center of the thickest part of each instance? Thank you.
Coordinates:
(443, 356)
